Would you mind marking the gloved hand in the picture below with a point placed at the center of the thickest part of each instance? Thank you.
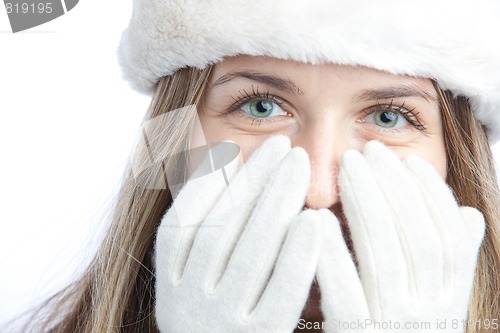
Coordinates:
(415, 248)
(241, 258)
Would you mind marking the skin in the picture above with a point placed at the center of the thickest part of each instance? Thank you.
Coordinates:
(326, 109)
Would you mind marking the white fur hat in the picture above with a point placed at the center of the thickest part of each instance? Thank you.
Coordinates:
(455, 42)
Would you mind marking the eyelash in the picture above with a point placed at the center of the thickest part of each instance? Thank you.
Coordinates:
(410, 115)
(246, 97)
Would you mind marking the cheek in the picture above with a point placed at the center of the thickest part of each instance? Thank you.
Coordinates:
(441, 165)
(435, 154)
(215, 130)
(247, 144)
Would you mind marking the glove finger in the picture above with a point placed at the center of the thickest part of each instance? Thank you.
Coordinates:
(376, 242)
(217, 236)
(179, 225)
(342, 295)
(459, 246)
(442, 194)
(475, 224)
(467, 256)
(255, 255)
(286, 293)
(418, 235)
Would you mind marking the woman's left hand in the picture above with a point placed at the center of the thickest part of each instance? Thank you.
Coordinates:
(415, 247)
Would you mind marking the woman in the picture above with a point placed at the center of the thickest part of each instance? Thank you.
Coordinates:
(332, 76)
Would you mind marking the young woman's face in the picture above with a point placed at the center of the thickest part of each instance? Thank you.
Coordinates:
(326, 109)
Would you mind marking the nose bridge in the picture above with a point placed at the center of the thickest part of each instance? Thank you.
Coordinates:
(324, 143)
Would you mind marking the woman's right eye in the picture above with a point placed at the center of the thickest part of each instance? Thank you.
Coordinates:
(263, 108)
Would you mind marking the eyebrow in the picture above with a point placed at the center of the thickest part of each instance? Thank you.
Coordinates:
(394, 92)
(270, 80)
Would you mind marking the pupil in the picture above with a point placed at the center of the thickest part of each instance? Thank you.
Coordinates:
(263, 106)
(388, 117)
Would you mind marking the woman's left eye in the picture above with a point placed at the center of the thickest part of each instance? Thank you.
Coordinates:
(263, 108)
(387, 119)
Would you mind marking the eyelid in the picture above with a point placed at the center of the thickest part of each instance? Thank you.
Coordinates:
(245, 97)
(409, 114)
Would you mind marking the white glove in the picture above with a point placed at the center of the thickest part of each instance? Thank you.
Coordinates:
(416, 249)
(242, 258)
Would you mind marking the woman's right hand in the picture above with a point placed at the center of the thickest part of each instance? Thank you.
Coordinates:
(239, 257)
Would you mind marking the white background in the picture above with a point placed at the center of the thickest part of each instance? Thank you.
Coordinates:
(67, 125)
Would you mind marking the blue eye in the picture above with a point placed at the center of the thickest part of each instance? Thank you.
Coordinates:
(263, 108)
(387, 119)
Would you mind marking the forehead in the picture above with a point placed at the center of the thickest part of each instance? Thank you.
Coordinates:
(326, 77)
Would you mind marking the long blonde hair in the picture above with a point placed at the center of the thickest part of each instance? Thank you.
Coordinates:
(116, 293)
(472, 176)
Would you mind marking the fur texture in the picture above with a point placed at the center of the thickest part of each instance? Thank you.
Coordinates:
(452, 41)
